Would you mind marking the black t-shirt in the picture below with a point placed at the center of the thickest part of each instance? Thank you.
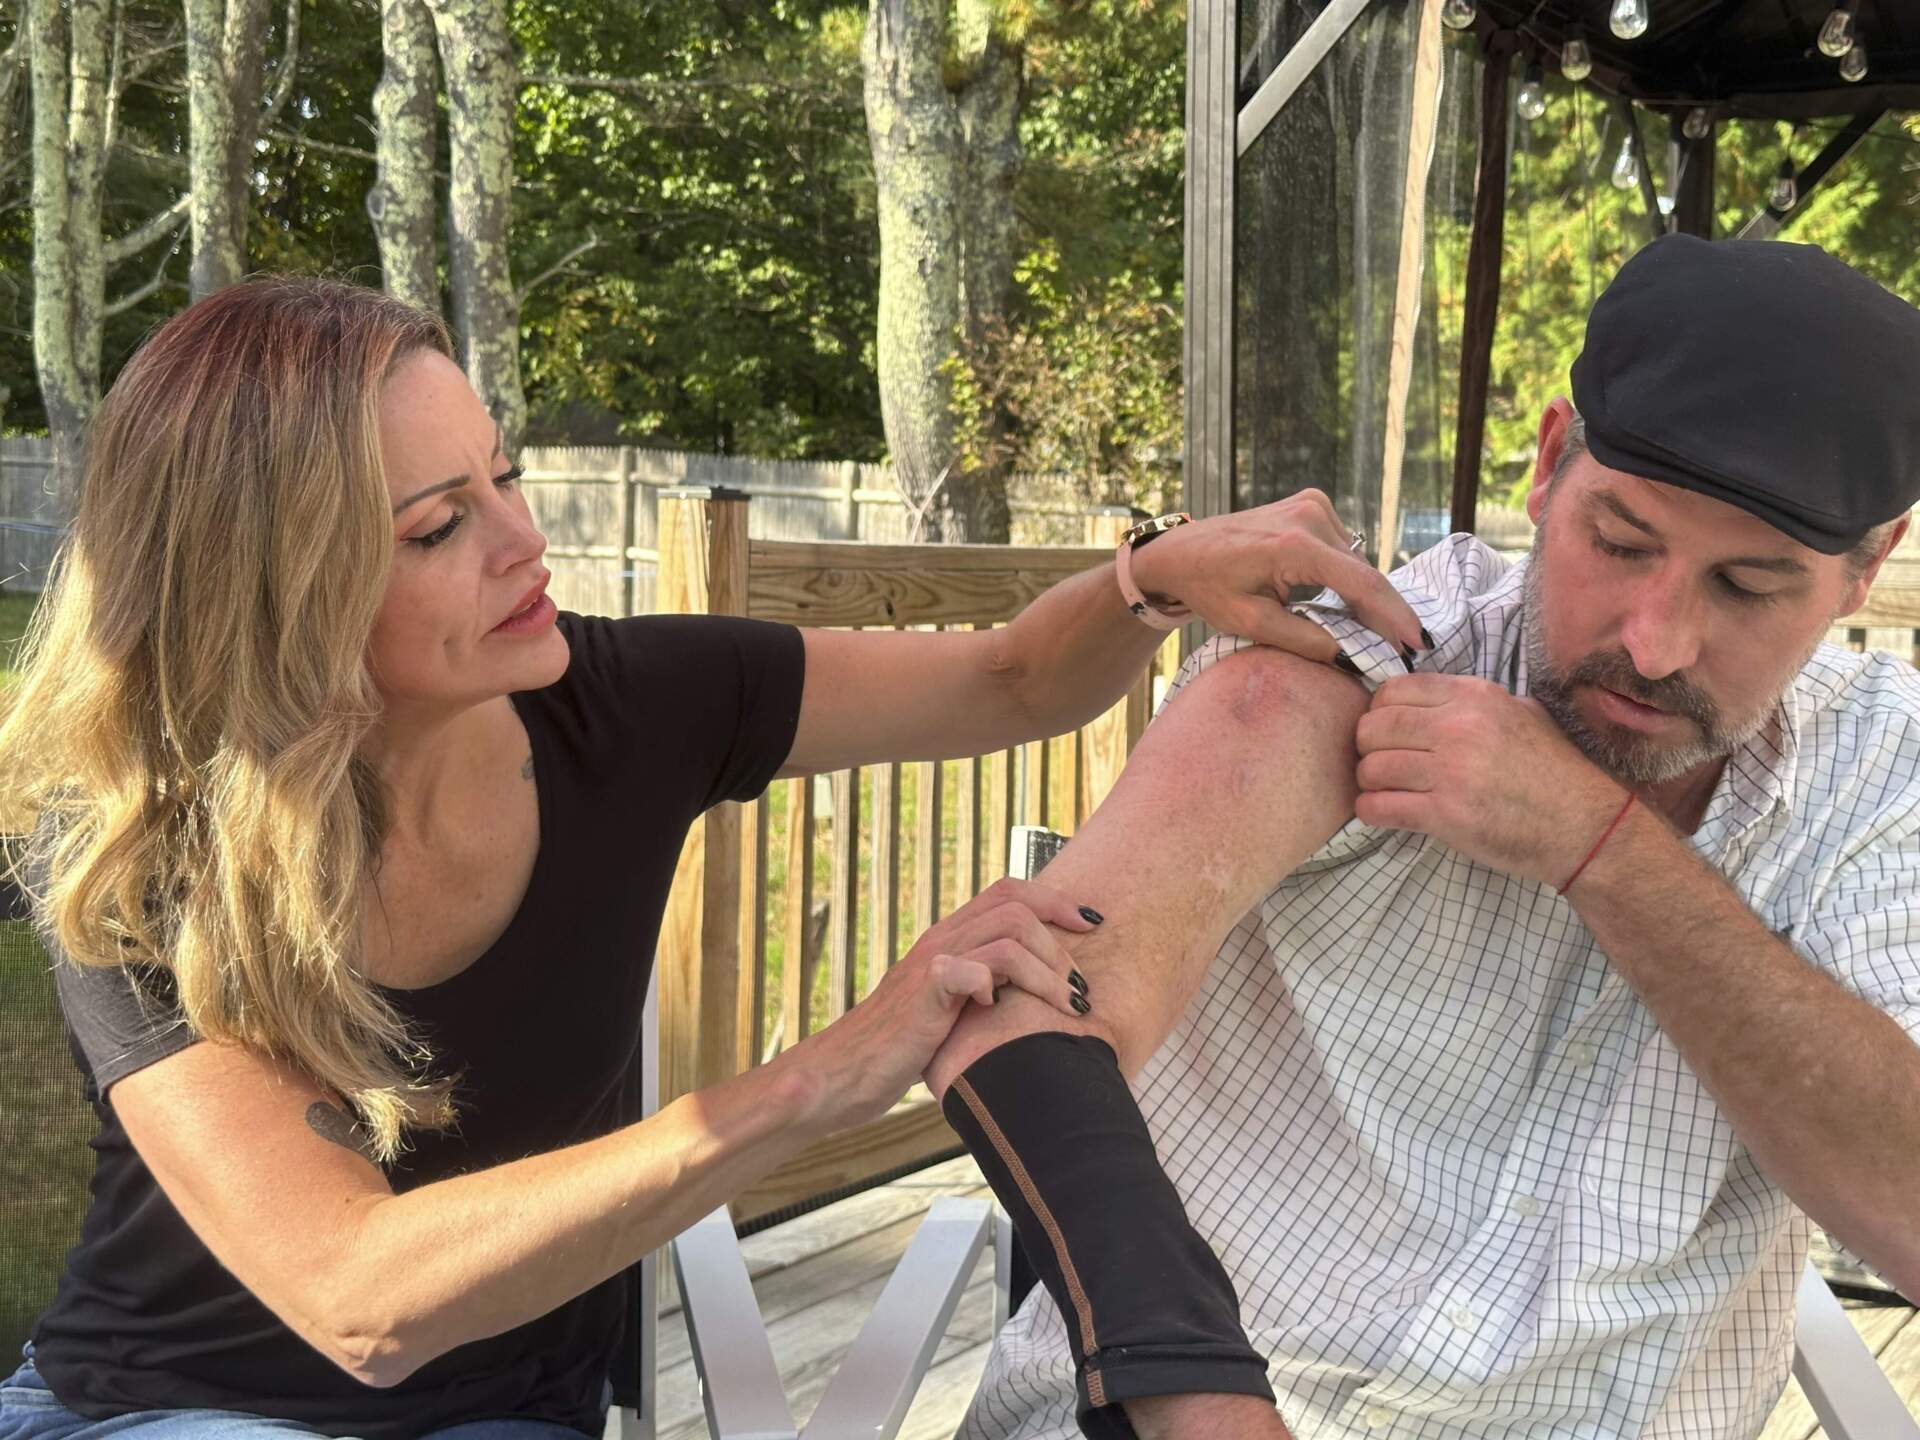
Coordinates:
(656, 719)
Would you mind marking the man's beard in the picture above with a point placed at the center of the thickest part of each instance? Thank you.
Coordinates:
(1630, 757)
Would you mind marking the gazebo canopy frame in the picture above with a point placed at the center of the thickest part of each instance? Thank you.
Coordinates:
(1710, 61)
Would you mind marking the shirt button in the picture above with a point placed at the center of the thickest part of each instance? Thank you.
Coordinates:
(1525, 1205)
(1582, 1055)
(1379, 1417)
(1461, 1317)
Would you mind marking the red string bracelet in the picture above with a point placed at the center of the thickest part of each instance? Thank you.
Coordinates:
(1613, 826)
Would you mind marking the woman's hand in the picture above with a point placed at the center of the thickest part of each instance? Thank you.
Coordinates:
(1234, 571)
(856, 1068)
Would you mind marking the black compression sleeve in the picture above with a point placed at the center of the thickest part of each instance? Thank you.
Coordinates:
(1148, 1307)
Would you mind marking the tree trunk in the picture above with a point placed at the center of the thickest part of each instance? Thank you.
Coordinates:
(990, 103)
(70, 144)
(476, 55)
(226, 55)
(944, 164)
(401, 202)
(915, 134)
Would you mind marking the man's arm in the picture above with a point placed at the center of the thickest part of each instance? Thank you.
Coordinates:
(1245, 773)
(1821, 1086)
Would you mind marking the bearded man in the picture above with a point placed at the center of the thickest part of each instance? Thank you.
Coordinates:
(1496, 1032)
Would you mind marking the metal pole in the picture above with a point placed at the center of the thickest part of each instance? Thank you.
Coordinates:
(1308, 51)
(1768, 223)
(1483, 282)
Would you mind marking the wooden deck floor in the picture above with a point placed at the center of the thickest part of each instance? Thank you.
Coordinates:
(818, 1276)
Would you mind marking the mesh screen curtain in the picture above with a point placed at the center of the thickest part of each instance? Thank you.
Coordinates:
(1316, 248)
(45, 1124)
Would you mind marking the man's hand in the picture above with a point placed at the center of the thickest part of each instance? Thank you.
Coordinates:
(1483, 771)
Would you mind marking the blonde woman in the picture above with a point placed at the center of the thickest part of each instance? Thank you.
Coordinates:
(351, 853)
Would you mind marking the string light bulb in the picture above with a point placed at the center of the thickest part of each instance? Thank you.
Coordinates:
(1785, 194)
(1576, 58)
(1458, 14)
(1853, 65)
(1629, 19)
(1697, 123)
(1626, 167)
(1836, 35)
(1531, 103)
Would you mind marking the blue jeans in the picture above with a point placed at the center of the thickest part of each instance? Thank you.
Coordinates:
(30, 1411)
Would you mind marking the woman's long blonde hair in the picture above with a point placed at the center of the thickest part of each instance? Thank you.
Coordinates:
(195, 685)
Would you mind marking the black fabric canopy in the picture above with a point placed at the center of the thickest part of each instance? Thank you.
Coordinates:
(1745, 58)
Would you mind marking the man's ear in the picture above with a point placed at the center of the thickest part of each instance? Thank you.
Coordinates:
(1553, 442)
(1856, 595)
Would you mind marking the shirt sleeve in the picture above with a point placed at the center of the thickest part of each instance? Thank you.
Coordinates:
(1439, 584)
(122, 1019)
(715, 697)
(1865, 931)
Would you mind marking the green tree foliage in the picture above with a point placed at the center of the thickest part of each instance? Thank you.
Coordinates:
(1568, 230)
(694, 228)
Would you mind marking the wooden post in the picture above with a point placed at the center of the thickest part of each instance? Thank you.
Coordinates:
(1483, 284)
(926, 845)
(752, 1006)
(883, 923)
(1406, 297)
(1104, 739)
(1033, 809)
(845, 852)
(703, 570)
(966, 830)
(998, 813)
(796, 983)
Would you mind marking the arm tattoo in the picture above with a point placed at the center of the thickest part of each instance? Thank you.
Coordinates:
(330, 1122)
(526, 770)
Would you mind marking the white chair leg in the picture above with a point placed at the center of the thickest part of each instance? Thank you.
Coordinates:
(1844, 1383)
(739, 1383)
(1002, 1268)
(875, 1385)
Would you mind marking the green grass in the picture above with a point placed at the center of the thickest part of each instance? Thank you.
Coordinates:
(15, 609)
(44, 1128)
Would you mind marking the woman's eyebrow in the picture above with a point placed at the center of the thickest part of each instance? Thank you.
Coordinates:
(499, 448)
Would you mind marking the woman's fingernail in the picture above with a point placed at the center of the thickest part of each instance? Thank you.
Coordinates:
(1077, 981)
(1079, 1003)
(1425, 638)
(1344, 662)
(1091, 915)
(1406, 657)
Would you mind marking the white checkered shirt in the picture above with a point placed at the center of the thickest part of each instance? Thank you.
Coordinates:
(1465, 1186)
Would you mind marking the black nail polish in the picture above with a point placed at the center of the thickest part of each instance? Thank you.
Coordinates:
(1343, 662)
(1077, 981)
(1091, 915)
(1079, 1003)
(1425, 638)
(1406, 657)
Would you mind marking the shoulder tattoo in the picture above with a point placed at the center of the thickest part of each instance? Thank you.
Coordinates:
(526, 768)
(330, 1122)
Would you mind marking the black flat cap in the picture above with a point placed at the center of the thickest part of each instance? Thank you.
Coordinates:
(1767, 375)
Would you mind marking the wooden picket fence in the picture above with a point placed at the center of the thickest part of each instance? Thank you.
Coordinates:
(724, 1004)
